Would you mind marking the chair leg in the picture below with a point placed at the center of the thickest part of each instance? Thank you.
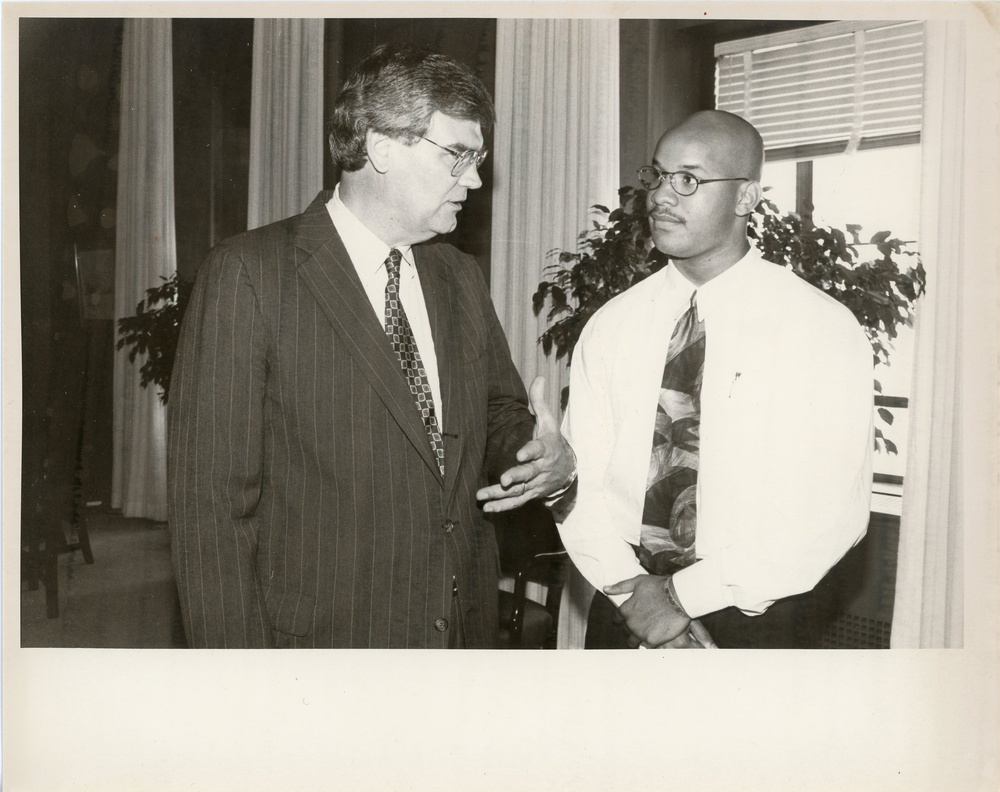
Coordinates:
(517, 615)
(83, 540)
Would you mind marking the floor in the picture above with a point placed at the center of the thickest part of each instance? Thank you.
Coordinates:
(125, 599)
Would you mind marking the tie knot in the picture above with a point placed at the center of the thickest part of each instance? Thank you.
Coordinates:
(392, 263)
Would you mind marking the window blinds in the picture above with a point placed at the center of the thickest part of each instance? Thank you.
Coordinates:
(827, 88)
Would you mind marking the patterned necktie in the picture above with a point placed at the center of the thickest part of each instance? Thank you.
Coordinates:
(669, 514)
(397, 327)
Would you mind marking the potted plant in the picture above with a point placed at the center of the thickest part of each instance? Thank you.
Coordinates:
(154, 332)
(618, 252)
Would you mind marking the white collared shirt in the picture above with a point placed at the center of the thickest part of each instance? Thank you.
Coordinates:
(784, 477)
(368, 254)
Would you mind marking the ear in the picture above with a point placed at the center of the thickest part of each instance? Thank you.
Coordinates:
(378, 148)
(748, 198)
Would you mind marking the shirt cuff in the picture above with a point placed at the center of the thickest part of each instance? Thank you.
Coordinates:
(699, 588)
(561, 503)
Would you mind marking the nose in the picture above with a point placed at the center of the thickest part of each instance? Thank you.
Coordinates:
(664, 194)
(470, 178)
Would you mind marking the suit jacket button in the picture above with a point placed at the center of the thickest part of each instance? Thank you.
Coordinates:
(448, 526)
(441, 625)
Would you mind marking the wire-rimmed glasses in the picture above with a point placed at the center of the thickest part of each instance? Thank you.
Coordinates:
(463, 159)
(682, 182)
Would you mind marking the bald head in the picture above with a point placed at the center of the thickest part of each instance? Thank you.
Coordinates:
(734, 142)
(698, 216)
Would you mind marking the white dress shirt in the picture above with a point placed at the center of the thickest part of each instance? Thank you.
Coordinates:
(368, 254)
(784, 476)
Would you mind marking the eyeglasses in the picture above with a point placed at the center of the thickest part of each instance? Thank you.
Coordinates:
(682, 182)
(463, 159)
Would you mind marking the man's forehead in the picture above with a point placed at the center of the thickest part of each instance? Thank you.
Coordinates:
(460, 131)
(678, 151)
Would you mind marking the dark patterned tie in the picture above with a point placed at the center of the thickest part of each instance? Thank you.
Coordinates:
(669, 514)
(397, 327)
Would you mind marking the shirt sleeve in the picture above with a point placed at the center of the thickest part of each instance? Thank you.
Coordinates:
(590, 531)
(796, 493)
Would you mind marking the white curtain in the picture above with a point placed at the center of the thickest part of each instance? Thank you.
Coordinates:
(950, 492)
(144, 251)
(286, 118)
(556, 155)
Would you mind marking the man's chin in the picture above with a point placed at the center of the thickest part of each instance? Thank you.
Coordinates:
(665, 243)
(445, 226)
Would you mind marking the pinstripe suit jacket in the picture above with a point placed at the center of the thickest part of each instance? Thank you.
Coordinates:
(306, 508)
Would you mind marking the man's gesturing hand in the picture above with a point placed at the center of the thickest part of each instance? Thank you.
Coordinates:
(652, 614)
(548, 464)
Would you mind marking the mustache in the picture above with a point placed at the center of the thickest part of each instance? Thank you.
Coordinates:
(663, 214)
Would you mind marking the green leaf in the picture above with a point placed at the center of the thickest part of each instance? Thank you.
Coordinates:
(885, 415)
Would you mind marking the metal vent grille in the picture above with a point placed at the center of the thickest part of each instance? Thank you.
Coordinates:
(849, 631)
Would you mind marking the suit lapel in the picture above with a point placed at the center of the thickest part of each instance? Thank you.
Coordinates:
(327, 270)
(438, 290)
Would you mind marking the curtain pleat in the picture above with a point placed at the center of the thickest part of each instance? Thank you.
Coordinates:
(286, 118)
(556, 155)
(145, 252)
(950, 471)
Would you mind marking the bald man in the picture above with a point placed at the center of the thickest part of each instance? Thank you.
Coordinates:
(721, 414)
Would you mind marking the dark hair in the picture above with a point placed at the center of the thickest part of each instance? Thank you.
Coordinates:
(395, 91)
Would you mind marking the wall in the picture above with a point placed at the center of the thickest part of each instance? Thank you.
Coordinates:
(68, 124)
(661, 81)
(213, 59)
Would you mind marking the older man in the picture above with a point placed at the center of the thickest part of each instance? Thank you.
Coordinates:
(721, 412)
(342, 388)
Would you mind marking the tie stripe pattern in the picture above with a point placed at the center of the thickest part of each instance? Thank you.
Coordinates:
(397, 328)
(669, 514)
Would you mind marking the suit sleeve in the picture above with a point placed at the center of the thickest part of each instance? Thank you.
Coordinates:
(215, 458)
(509, 422)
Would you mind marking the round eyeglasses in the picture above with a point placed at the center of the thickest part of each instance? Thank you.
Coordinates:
(463, 159)
(682, 182)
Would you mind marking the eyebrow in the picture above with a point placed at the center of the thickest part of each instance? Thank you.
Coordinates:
(461, 148)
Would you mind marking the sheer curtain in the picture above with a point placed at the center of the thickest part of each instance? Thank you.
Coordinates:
(286, 118)
(145, 252)
(556, 154)
(950, 494)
